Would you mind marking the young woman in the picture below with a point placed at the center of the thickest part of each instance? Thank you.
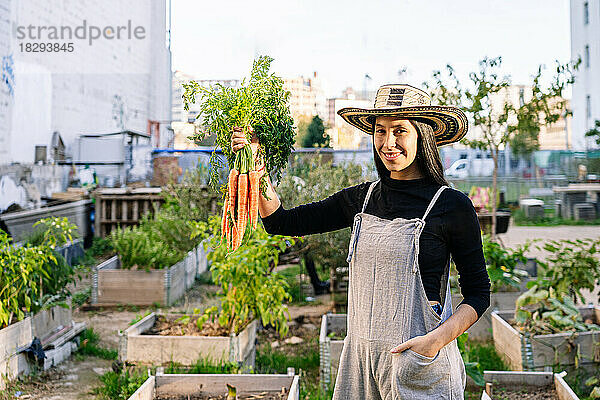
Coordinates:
(401, 337)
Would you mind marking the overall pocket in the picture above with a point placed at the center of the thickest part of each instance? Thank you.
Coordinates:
(419, 376)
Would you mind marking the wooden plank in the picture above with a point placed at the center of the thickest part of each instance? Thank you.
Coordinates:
(136, 209)
(186, 349)
(113, 210)
(519, 378)
(146, 206)
(136, 287)
(124, 215)
(507, 341)
(182, 384)
(181, 349)
(563, 390)
(142, 325)
(146, 391)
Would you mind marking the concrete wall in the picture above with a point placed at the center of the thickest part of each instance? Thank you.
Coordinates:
(587, 81)
(108, 86)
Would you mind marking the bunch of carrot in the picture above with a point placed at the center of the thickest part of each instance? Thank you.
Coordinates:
(240, 209)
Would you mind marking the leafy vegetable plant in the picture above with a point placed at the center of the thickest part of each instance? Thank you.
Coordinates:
(549, 304)
(249, 287)
(260, 104)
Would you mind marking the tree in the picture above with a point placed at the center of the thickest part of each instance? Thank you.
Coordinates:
(302, 129)
(315, 136)
(499, 121)
(595, 132)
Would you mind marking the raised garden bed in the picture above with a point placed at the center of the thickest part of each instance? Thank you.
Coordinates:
(213, 387)
(136, 345)
(524, 352)
(520, 385)
(20, 223)
(112, 285)
(331, 341)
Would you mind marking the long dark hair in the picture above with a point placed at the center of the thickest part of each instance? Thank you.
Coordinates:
(427, 158)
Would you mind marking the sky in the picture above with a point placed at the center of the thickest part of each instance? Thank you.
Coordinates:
(344, 40)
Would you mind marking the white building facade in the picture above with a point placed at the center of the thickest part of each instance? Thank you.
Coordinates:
(105, 67)
(585, 43)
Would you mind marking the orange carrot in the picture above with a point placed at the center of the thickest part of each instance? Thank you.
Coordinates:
(253, 204)
(242, 204)
(232, 186)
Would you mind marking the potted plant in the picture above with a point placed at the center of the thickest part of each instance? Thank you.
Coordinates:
(249, 291)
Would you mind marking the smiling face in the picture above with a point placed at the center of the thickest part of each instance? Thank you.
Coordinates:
(395, 141)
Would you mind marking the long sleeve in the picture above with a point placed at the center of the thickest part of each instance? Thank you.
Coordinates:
(330, 214)
(464, 241)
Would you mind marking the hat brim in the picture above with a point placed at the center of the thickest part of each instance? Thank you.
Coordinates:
(449, 124)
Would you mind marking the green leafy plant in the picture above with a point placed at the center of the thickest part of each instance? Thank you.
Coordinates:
(572, 265)
(121, 385)
(34, 276)
(501, 264)
(259, 102)
(20, 281)
(205, 366)
(89, 340)
(248, 286)
(472, 368)
(544, 311)
(138, 247)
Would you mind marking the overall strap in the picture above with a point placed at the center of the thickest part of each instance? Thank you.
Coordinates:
(433, 200)
(368, 195)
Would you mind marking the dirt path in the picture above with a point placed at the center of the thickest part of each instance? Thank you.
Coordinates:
(71, 380)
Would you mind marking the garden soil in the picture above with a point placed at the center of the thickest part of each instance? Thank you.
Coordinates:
(534, 393)
(240, 396)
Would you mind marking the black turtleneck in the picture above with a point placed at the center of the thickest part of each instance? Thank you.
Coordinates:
(451, 228)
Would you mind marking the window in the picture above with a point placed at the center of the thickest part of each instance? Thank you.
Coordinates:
(588, 106)
(586, 13)
(586, 55)
(521, 97)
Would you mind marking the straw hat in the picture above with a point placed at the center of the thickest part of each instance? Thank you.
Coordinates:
(407, 102)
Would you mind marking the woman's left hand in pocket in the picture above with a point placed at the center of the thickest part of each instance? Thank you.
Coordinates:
(423, 345)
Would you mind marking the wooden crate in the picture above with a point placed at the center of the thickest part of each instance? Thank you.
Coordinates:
(537, 352)
(520, 379)
(123, 207)
(186, 350)
(206, 384)
(112, 285)
(330, 350)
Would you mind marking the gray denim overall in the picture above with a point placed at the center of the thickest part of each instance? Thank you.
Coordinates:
(387, 305)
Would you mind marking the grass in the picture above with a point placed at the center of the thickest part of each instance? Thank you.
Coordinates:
(89, 347)
(304, 358)
(121, 385)
(548, 219)
(205, 366)
(485, 354)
